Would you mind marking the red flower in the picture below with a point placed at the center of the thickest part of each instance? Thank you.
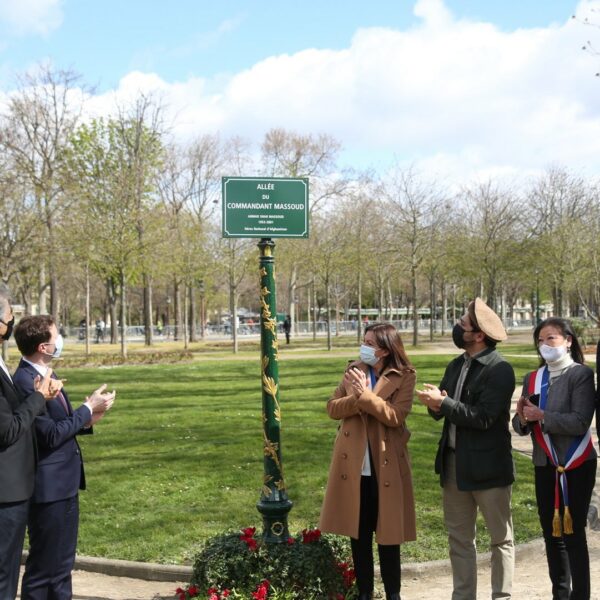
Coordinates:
(339, 597)
(248, 538)
(349, 577)
(261, 591)
(311, 535)
(212, 590)
(213, 597)
(180, 593)
(192, 591)
(291, 541)
(225, 593)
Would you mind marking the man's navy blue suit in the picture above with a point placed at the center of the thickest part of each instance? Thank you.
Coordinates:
(54, 507)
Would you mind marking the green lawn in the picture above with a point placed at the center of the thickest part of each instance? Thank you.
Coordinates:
(179, 458)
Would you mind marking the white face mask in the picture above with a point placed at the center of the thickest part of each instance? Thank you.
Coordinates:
(552, 353)
(58, 347)
(367, 355)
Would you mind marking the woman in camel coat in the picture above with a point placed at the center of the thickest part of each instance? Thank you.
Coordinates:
(370, 484)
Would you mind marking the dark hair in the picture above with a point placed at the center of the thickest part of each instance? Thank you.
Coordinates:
(566, 329)
(31, 331)
(388, 338)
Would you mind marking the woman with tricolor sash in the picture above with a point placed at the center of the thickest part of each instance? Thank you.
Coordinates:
(556, 407)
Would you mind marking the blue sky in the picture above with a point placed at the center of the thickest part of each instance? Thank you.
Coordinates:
(467, 87)
(106, 39)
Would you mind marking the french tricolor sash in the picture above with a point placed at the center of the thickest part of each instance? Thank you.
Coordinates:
(577, 453)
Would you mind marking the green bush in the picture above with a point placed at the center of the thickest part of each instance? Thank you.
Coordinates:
(310, 566)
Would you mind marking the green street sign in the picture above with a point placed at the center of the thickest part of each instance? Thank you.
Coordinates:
(256, 207)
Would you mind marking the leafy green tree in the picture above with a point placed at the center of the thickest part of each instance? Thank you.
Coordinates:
(35, 130)
(111, 168)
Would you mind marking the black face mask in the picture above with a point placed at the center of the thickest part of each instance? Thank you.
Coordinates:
(458, 334)
(9, 328)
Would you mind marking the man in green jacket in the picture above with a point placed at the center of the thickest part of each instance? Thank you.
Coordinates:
(474, 458)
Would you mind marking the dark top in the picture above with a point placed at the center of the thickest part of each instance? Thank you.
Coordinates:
(60, 471)
(481, 415)
(17, 443)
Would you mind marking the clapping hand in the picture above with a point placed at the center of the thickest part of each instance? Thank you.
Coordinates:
(43, 385)
(356, 378)
(100, 401)
(431, 396)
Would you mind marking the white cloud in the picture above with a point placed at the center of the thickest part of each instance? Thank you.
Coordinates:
(458, 97)
(31, 16)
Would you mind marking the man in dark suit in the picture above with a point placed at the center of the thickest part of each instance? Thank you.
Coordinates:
(54, 509)
(17, 458)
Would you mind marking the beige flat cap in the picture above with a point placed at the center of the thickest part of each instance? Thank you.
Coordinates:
(485, 319)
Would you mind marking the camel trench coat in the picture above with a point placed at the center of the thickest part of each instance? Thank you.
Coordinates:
(378, 416)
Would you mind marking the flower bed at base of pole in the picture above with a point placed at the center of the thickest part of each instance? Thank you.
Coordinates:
(238, 565)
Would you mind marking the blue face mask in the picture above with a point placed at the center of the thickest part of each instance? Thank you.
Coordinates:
(367, 355)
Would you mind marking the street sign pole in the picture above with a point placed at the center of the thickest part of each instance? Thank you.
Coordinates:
(274, 504)
(275, 207)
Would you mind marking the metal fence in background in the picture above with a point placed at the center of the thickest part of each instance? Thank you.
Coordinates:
(301, 328)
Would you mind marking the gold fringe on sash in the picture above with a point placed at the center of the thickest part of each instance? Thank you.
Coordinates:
(567, 521)
(556, 524)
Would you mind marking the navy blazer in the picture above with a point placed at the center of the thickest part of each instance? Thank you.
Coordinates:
(60, 473)
(17, 442)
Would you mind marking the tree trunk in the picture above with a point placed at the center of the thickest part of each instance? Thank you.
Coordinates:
(292, 297)
(111, 294)
(233, 310)
(148, 333)
(185, 316)
(431, 307)
(444, 307)
(193, 320)
(413, 277)
(176, 308)
(123, 316)
(359, 306)
(54, 301)
(87, 310)
(315, 313)
(42, 306)
(328, 313)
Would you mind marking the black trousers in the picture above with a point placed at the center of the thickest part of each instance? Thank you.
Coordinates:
(568, 557)
(13, 518)
(362, 548)
(53, 528)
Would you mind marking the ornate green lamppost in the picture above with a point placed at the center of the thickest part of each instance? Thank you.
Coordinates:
(274, 504)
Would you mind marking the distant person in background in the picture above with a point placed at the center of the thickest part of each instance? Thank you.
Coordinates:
(82, 328)
(100, 330)
(556, 407)
(17, 457)
(54, 508)
(287, 328)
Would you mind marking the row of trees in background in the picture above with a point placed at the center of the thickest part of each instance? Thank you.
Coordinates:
(110, 216)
